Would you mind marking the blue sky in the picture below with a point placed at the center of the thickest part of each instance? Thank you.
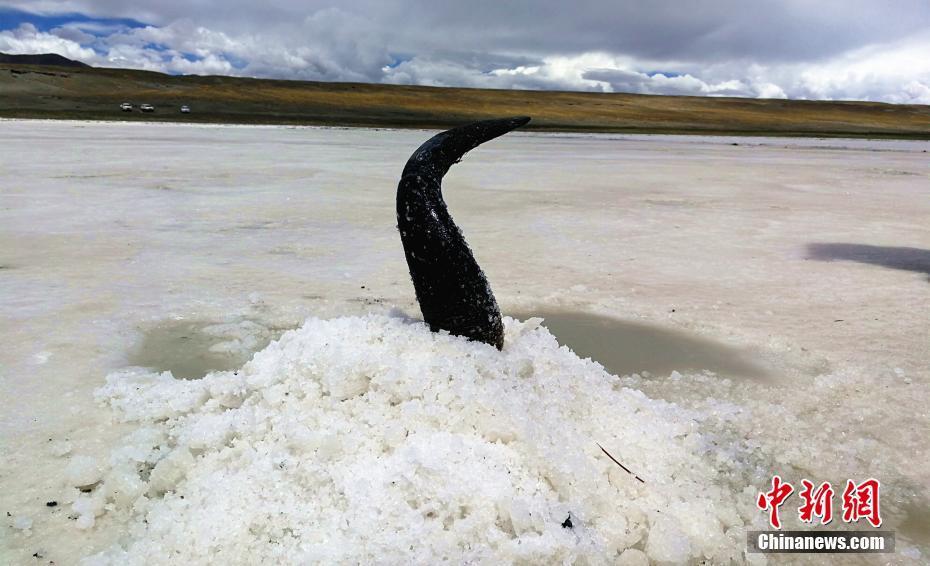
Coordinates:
(830, 49)
(12, 18)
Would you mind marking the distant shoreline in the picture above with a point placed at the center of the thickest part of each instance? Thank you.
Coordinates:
(148, 119)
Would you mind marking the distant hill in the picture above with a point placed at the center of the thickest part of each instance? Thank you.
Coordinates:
(77, 91)
(41, 59)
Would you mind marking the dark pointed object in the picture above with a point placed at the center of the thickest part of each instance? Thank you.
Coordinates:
(452, 290)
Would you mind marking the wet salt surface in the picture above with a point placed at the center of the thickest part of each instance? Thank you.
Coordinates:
(272, 225)
(625, 347)
(191, 349)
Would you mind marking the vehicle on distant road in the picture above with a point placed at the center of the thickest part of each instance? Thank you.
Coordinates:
(146, 108)
(126, 107)
(185, 109)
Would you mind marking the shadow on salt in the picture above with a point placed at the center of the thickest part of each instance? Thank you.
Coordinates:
(624, 347)
(891, 257)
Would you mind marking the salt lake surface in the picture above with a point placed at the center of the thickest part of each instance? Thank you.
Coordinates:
(797, 272)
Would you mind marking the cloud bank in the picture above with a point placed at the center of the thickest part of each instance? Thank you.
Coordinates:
(852, 49)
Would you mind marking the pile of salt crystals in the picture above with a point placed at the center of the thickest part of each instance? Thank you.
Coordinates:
(372, 439)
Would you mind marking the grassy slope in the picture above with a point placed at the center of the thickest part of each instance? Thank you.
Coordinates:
(51, 92)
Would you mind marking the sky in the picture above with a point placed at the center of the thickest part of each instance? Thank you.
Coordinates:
(806, 49)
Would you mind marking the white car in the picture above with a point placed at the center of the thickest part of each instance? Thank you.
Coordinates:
(146, 108)
(185, 109)
(126, 107)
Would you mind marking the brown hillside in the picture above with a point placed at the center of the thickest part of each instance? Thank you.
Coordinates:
(93, 93)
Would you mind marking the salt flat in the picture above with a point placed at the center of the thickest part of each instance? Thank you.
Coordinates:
(188, 248)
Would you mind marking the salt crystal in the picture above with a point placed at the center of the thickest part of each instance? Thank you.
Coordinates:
(667, 543)
(82, 471)
(372, 439)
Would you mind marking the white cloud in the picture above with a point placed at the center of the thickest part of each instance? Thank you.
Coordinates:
(73, 34)
(27, 39)
(770, 90)
(562, 73)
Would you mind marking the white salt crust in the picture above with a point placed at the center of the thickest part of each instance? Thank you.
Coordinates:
(373, 440)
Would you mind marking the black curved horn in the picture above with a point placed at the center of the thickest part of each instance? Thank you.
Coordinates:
(453, 293)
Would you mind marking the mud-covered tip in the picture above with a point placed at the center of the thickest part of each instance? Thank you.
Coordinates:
(440, 152)
(490, 129)
(486, 130)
